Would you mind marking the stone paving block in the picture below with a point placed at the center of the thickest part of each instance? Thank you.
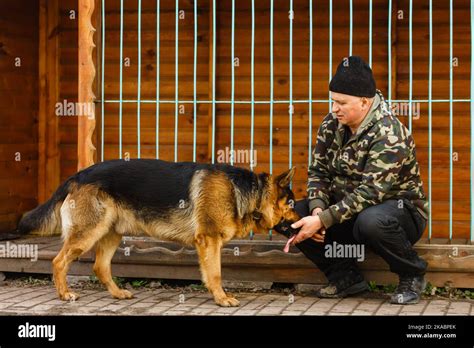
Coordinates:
(20, 295)
(4, 288)
(338, 313)
(203, 295)
(298, 307)
(209, 304)
(114, 307)
(100, 302)
(55, 302)
(415, 309)
(246, 312)
(43, 308)
(184, 307)
(162, 310)
(308, 300)
(291, 313)
(142, 305)
(254, 305)
(174, 313)
(4, 305)
(270, 311)
(201, 311)
(361, 312)
(36, 300)
(368, 306)
(279, 303)
(321, 307)
(225, 310)
(459, 308)
(346, 305)
(194, 301)
(388, 309)
(216, 314)
(436, 308)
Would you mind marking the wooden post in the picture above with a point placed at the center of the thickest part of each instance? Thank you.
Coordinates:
(48, 134)
(86, 97)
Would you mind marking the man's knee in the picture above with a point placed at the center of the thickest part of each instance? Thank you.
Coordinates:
(371, 223)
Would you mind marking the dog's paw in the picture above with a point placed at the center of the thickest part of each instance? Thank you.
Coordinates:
(69, 296)
(228, 301)
(122, 294)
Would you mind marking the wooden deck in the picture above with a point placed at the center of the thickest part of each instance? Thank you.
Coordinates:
(243, 260)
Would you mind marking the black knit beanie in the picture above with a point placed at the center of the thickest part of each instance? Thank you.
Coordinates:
(353, 77)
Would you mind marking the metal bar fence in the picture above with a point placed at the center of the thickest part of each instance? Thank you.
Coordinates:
(290, 101)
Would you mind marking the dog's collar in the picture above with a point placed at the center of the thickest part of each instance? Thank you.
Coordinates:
(256, 214)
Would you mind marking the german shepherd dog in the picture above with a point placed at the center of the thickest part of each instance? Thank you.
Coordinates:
(204, 205)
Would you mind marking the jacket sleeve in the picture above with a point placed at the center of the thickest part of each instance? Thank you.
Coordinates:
(386, 157)
(319, 179)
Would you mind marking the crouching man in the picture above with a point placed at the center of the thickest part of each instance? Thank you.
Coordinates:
(364, 187)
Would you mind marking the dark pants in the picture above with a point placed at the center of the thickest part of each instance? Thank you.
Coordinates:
(389, 229)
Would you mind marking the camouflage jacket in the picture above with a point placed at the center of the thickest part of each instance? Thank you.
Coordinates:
(377, 163)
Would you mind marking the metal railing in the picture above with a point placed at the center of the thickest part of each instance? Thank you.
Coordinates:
(290, 101)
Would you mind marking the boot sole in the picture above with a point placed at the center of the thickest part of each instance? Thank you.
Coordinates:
(352, 290)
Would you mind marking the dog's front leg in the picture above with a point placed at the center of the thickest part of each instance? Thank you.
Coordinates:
(209, 252)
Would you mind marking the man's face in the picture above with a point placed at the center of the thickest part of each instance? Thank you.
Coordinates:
(349, 110)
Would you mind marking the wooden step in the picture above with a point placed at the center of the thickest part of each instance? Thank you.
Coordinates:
(246, 260)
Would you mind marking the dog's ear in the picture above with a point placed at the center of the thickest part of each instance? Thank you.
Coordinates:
(284, 179)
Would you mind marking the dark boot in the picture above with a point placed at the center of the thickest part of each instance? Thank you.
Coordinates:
(409, 290)
(349, 283)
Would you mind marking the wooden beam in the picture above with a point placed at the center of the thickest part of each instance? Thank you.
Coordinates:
(260, 260)
(97, 23)
(86, 97)
(48, 133)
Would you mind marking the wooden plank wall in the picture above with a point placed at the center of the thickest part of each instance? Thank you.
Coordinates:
(18, 110)
(280, 139)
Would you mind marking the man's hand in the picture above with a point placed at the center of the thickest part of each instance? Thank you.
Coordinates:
(309, 226)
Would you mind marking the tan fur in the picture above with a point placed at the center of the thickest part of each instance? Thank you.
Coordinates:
(215, 213)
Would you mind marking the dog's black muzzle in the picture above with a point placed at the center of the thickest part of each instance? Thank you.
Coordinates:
(284, 227)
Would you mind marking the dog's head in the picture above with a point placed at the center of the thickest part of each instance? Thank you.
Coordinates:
(278, 201)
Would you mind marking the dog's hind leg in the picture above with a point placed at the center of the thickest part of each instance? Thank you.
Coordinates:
(209, 251)
(104, 252)
(73, 248)
(80, 240)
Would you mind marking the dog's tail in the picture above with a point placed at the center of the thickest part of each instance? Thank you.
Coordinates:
(44, 219)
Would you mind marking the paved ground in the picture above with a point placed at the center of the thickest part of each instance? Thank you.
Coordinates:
(42, 300)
